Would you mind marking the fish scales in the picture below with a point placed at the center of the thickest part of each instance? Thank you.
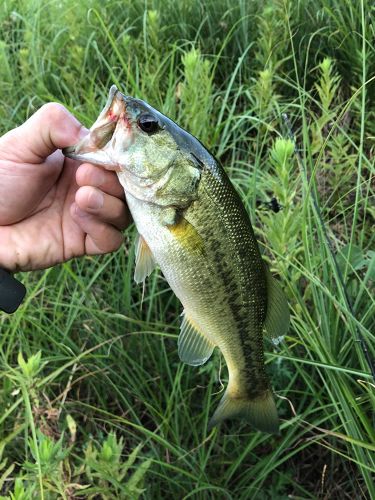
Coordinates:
(192, 223)
(216, 288)
(238, 267)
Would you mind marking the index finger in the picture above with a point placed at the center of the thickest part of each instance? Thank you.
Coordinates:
(92, 175)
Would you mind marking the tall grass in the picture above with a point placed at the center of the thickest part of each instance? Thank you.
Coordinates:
(106, 408)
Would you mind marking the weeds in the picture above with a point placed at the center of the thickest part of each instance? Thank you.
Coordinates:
(98, 404)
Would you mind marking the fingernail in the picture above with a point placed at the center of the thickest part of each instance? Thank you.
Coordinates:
(95, 200)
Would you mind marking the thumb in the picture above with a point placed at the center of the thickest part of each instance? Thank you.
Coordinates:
(51, 127)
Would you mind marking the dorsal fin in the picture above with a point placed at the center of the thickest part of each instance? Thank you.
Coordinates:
(277, 319)
(144, 261)
(194, 348)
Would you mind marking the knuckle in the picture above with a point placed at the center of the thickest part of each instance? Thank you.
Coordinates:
(81, 195)
(116, 242)
(89, 174)
(109, 239)
(119, 211)
(118, 216)
(53, 111)
(83, 175)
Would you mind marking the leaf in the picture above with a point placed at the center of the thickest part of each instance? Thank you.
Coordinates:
(356, 259)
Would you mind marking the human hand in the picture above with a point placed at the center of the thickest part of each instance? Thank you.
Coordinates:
(51, 208)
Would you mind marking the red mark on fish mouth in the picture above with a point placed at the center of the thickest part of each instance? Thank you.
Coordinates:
(112, 116)
(125, 120)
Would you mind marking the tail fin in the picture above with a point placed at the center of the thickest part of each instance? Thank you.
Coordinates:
(260, 412)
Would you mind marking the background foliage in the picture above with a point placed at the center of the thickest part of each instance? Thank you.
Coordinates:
(94, 401)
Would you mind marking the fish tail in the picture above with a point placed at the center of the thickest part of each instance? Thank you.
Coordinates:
(260, 412)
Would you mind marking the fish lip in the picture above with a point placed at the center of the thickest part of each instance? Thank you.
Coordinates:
(111, 95)
(69, 151)
(112, 92)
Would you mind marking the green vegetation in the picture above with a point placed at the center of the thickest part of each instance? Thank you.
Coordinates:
(94, 401)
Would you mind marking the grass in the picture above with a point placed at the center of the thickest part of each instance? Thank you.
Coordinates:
(98, 404)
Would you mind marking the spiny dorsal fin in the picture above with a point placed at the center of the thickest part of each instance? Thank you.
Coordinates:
(277, 319)
(194, 348)
(144, 261)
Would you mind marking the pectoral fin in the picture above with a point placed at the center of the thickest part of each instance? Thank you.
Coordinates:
(144, 261)
(194, 348)
(187, 235)
(277, 319)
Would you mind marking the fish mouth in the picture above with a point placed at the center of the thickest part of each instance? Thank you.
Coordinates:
(69, 151)
(92, 147)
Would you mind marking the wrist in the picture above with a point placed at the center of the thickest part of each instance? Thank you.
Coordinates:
(12, 292)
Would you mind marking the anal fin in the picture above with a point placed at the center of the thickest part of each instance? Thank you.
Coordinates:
(194, 348)
(144, 261)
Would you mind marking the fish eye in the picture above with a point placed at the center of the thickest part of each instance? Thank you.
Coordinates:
(148, 123)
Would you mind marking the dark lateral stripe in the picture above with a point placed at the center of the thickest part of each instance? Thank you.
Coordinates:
(239, 266)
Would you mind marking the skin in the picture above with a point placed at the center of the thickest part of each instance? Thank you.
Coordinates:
(52, 208)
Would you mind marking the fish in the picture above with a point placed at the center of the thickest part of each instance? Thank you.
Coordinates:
(192, 223)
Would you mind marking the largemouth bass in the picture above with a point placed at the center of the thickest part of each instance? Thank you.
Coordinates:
(192, 223)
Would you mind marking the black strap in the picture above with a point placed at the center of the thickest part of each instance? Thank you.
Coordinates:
(12, 292)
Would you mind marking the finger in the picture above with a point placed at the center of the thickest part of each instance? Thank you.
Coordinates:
(100, 236)
(103, 206)
(93, 175)
(51, 127)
